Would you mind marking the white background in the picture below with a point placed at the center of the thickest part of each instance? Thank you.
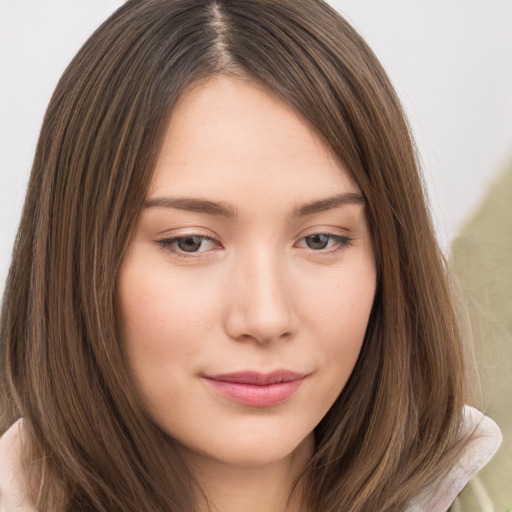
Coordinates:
(450, 60)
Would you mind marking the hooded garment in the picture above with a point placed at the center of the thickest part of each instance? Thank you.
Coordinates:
(484, 442)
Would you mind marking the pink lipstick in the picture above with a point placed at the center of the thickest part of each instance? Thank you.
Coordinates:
(257, 389)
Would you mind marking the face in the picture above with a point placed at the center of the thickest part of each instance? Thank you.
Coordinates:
(246, 290)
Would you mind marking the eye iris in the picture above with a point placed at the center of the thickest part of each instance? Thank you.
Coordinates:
(190, 243)
(317, 241)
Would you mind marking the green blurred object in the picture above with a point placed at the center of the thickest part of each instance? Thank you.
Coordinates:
(481, 261)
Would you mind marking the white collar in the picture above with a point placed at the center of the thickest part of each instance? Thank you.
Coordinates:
(483, 444)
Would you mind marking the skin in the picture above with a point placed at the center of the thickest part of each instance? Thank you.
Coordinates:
(257, 294)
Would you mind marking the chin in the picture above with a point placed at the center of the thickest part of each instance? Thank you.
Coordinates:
(252, 450)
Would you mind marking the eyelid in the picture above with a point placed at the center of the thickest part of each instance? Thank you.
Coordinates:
(341, 242)
(168, 244)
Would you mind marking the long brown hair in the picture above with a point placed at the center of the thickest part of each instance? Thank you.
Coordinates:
(396, 425)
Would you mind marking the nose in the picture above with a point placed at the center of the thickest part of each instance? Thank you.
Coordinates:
(261, 304)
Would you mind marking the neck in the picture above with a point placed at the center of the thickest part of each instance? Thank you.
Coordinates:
(262, 488)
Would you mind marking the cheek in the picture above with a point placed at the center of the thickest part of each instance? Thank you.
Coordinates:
(339, 311)
(162, 331)
(340, 304)
(159, 306)
(166, 323)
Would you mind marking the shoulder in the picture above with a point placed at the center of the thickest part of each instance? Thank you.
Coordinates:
(485, 440)
(13, 496)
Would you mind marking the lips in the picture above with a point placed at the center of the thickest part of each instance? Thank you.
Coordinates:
(256, 389)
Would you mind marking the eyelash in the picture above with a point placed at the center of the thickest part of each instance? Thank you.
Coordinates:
(170, 244)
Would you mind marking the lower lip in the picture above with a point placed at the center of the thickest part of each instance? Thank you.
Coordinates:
(252, 395)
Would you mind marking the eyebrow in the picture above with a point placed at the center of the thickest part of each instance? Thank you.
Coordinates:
(328, 204)
(224, 210)
(192, 205)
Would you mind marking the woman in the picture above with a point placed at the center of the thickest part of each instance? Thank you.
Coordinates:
(226, 293)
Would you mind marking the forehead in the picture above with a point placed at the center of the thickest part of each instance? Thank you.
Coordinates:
(227, 136)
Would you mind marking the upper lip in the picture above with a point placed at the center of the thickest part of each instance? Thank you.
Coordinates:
(257, 378)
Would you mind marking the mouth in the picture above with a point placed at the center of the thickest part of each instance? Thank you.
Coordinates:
(256, 389)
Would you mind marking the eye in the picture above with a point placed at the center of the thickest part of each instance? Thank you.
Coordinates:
(322, 241)
(188, 244)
